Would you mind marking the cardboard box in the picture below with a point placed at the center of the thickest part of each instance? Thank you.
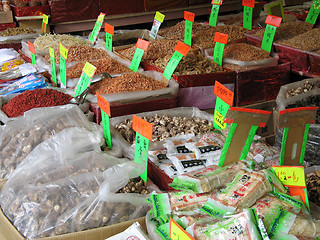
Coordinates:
(6, 17)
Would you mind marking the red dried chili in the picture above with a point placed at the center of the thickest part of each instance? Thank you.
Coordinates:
(34, 99)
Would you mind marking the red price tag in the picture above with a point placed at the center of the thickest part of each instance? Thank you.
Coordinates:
(182, 48)
(109, 29)
(248, 3)
(189, 16)
(273, 20)
(143, 44)
(217, 2)
(103, 104)
(141, 126)
(31, 47)
(221, 37)
(224, 93)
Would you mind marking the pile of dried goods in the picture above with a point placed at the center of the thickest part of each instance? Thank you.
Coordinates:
(34, 99)
(108, 65)
(135, 185)
(80, 53)
(165, 126)
(192, 63)
(288, 30)
(206, 38)
(177, 31)
(158, 48)
(16, 31)
(305, 87)
(245, 52)
(128, 82)
(313, 186)
(308, 41)
(53, 40)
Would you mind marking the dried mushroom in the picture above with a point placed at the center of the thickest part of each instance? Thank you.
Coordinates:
(135, 185)
(313, 186)
(305, 87)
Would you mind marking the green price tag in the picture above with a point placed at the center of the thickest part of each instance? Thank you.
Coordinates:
(220, 111)
(313, 12)
(141, 144)
(106, 128)
(247, 17)
(33, 58)
(45, 21)
(268, 36)
(85, 78)
(96, 28)
(214, 15)
(172, 64)
(109, 41)
(188, 32)
(218, 53)
(63, 75)
(136, 59)
(53, 65)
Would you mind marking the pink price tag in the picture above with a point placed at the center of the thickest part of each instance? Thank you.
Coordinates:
(143, 44)
(273, 20)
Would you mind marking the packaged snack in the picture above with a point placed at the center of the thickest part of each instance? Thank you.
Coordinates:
(216, 209)
(169, 169)
(205, 149)
(215, 136)
(159, 156)
(177, 145)
(189, 162)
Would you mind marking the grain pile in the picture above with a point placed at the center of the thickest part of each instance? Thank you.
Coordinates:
(245, 52)
(16, 31)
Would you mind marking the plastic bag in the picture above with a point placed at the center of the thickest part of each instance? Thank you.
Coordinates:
(37, 131)
(8, 54)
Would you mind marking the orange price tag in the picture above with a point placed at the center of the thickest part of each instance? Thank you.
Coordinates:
(248, 3)
(176, 232)
(273, 20)
(224, 93)
(221, 37)
(142, 127)
(182, 48)
(189, 16)
(31, 47)
(103, 104)
(109, 28)
(143, 44)
(217, 2)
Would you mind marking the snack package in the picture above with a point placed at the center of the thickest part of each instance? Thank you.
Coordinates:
(159, 156)
(241, 226)
(133, 232)
(177, 145)
(205, 149)
(215, 136)
(246, 187)
(169, 169)
(217, 210)
(207, 179)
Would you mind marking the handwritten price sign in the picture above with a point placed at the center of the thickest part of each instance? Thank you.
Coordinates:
(291, 175)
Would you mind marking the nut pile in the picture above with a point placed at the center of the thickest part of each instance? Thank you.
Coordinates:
(206, 38)
(108, 65)
(83, 53)
(245, 52)
(313, 186)
(192, 63)
(305, 87)
(308, 41)
(16, 31)
(287, 30)
(158, 48)
(177, 31)
(135, 185)
(128, 82)
(165, 126)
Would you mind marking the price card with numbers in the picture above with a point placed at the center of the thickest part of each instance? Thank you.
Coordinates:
(53, 65)
(32, 52)
(109, 33)
(96, 29)
(189, 17)
(292, 176)
(141, 46)
(105, 115)
(158, 19)
(85, 78)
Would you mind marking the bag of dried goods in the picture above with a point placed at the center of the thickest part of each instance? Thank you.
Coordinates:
(177, 144)
(207, 179)
(241, 226)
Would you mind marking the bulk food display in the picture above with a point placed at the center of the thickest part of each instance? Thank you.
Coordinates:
(114, 149)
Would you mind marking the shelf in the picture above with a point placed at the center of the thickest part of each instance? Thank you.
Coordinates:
(143, 17)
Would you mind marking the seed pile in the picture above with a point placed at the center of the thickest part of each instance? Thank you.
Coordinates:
(16, 31)
(245, 52)
(127, 82)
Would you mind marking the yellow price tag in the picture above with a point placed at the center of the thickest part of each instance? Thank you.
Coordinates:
(159, 16)
(291, 175)
(51, 52)
(216, 2)
(176, 232)
(63, 51)
(101, 17)
(219, 119)
(89, 69)
(45, 19)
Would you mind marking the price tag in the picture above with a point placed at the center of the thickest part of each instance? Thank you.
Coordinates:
(313, 12)
(63, 58)
(273, 20)
(176, 232)
(218, 122)
(224, 93)
(189, 17)
(158, 19)
(182, 48)
(142, 45)
(45, 20)
(214, 15)
(32, 53)
(105, 115)
(85, 79)
(143, 135)
(218, 52)
(291, 176)
(268, 37)
(53, 65)
(247, 17)
(96, 28)
(248, 3)
(159, 16)
(109, 33)
(219, 2)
